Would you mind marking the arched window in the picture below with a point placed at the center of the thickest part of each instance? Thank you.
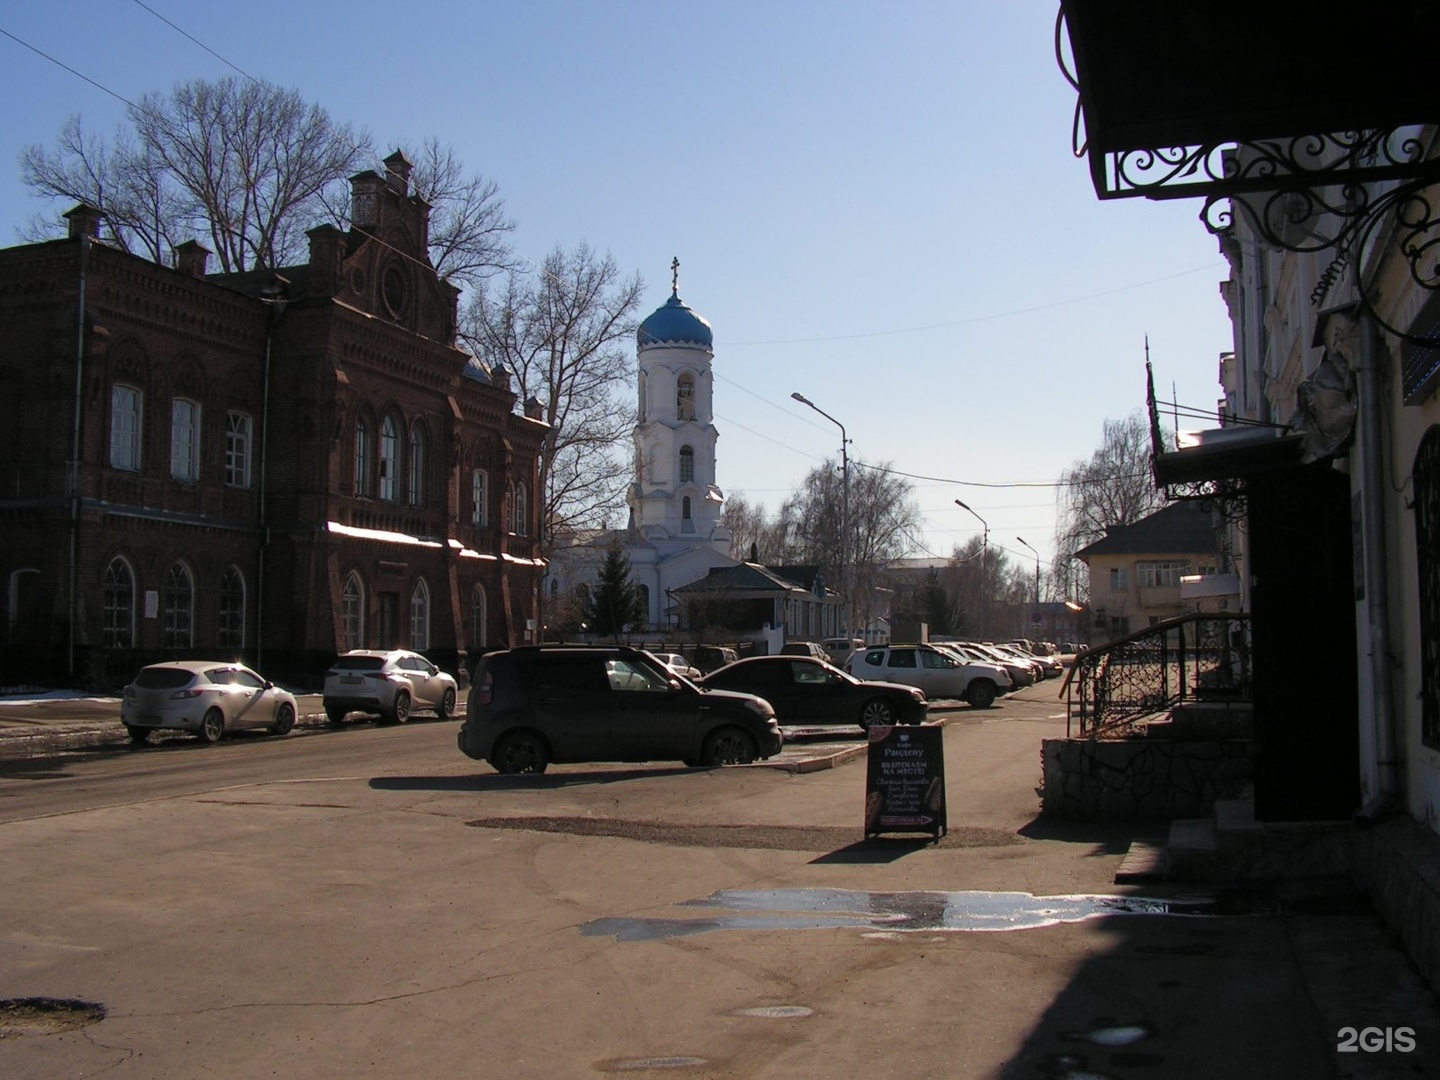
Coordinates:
(179, 608)
(685, 397)
(519, 511)
(687, 464)
(232, 609)
(687, 523)
(119, 588)
(478, 617)
(352, 612)
(640, 413)
(479, 486)
(389, 460)
(417, 466)
(420, 617)
(362, 456)
(237, 449)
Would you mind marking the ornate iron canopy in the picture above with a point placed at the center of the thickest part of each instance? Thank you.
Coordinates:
(1310, 125)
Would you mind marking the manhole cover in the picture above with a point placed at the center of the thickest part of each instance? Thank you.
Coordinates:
(45, 1016)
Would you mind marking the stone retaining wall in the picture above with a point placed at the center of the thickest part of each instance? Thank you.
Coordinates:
(1143, 779)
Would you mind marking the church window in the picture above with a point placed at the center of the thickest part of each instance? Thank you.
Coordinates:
(362, 456)
(687, 464)
(417, 466)
(687, 523)
(685, 397)
(389, 460)
(641, 414)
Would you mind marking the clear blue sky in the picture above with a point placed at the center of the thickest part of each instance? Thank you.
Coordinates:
(874, 204)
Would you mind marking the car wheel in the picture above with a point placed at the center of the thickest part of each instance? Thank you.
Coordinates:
(520, 752)
(447, 705)
(212, 726)
(728, 746)
(400, 711)
(877, 712)
(138, 735)
(335, 714)
(284, 720)
(981, 693)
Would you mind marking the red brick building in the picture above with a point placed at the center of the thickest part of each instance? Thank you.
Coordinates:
(271, 465)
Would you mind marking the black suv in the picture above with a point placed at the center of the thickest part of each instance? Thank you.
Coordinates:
(536, 704)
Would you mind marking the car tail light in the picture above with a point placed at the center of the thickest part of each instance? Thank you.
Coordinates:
(487, 689)
(188, 692)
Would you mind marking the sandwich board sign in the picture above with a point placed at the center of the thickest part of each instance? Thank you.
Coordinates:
(905, 780)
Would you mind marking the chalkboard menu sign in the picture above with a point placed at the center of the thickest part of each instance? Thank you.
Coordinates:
(905, 780)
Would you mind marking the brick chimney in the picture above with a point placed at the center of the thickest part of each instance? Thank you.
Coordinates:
(84, 220)
(327, 256)
(397, 173)
(192, 258)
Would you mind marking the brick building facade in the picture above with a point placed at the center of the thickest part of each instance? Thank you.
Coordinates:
(275, 465)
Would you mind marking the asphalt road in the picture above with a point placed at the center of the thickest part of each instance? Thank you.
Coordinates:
(369, 903)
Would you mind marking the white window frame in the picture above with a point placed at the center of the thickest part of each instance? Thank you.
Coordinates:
(479, 493)
(1119, 579)
(417, 466)
(420, 616)
(361, 462)
(179, 597)
(126, 412)
(231, 629)
(238, 428)
(352, 611)
(389, 474)
(119, 604)
(184, 439)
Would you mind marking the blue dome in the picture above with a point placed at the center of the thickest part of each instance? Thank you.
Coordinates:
(674, 324)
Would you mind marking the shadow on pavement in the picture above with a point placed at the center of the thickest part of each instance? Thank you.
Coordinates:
(501, 782)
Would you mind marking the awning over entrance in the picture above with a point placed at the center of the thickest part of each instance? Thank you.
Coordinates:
(1165, 86)
(1228, 454)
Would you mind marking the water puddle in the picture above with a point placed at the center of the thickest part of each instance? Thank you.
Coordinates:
(888, 913)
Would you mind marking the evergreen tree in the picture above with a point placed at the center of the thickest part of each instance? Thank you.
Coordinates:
(615, 604)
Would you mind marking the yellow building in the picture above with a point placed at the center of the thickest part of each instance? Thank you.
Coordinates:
(1136, 570)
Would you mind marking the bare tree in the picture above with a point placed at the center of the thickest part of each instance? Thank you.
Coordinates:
(882, 516)
(1114, 487)
(143, 213)
(564, 333)
(469, 229)
(754, 533)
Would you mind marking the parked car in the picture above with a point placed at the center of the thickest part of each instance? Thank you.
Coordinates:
(1022, 673)
(677, 663)
(840, 649)
(938, 673)
(386, 683)
(207, 697)
(713, 657)
(1050, 664)
(538, 704)
(804, 648)
(803, 690)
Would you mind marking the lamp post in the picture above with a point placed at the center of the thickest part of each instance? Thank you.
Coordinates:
(844, 509)
(1037, 576)
(984, 547)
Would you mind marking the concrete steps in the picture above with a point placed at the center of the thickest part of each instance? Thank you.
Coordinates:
(1233, 846)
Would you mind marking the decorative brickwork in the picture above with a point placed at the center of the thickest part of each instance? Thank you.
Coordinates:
(260, 384)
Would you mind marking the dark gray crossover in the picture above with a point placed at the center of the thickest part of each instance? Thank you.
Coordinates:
(538, 704)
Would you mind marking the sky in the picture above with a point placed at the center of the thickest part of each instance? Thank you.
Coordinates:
(875, 205)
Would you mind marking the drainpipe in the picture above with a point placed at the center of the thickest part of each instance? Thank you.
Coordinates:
(72, 478)
(272, 296)
(1377, 596)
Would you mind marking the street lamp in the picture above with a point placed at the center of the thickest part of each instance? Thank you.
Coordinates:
(1037, 575)
(844, 509)
(984, 546)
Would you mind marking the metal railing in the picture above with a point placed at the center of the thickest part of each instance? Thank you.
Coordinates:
(1144, 675)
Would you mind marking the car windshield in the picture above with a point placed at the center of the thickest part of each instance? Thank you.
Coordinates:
(358, 663)
(163, 678)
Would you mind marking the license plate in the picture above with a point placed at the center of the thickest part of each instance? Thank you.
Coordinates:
(352, 680)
